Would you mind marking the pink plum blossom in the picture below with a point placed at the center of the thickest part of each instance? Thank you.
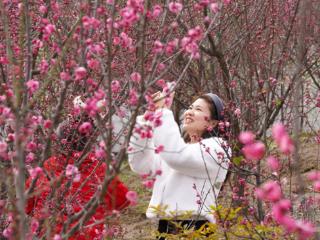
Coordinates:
(270, 191)
(175, 7)
(286, 145)
(32, 86)
(282, 138)
(159, 149)
(132, 197)
(30, 157)
(3, 147)
(72, 171)
(80, 73)
(49, 29)
(8, 232)
(281, 208)
(90, 22)
(65, 76)
(85, 128)
(314, 175)
(156, 11)
(273, 163)
(34, 172)
(135, 77)
(148, 183)
(115, 86)
(133, 97)
(316, 186)
(57, 237)
(93, 64)
(47, 124)
(34, 225)
(237, 112)
(158, 46)
(214, 7)
(305, 229)
(278, 131)
(247, 137)
(254, 151)
(43, 9)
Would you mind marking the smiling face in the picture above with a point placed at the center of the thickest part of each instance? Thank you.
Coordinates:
(197, 118)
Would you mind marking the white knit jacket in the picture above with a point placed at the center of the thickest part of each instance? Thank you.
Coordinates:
(189, 172)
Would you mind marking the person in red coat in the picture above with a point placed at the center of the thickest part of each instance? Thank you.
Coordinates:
(63, 189)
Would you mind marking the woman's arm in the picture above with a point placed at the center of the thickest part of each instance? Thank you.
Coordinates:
(197, 159)
(141, 154)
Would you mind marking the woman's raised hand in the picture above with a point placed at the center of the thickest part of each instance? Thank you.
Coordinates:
(161, 100)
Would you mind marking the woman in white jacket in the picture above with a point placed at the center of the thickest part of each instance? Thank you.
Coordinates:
(188, 174)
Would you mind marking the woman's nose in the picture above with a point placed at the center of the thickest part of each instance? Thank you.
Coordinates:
(189, 112)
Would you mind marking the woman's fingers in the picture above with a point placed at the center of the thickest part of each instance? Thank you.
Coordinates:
(156, 96)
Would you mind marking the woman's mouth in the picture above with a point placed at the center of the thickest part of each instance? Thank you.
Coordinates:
(188, 120)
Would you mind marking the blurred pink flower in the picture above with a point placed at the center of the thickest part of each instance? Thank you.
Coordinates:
(254, 151)
(100, 153)
(148, 183)
(85, 128)
(93, 64)
(316, 186)
(30, 157)
(158, 47)
(280, 209)
(135, 77)
(237, 112)
(57, 237)
(73, 172)
(47, 124)
(247, 137)
(49, 29)
(286, 145)
(305, 229)
(288, 222)
(132, 197)
(65, 76)
(115, 86)
(133, 97)
(159, 149)
(282, 138)
(34, 172)
(214, 7)
(80, 73)
(3, 147)
(156, 10)
(175, 7)
(314, 176)
(278, 131)
(32, 86)
(270, 191)
(34, 225)
(273, 163)
(8, 232)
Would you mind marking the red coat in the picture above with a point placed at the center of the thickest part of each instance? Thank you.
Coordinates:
(70, 200)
